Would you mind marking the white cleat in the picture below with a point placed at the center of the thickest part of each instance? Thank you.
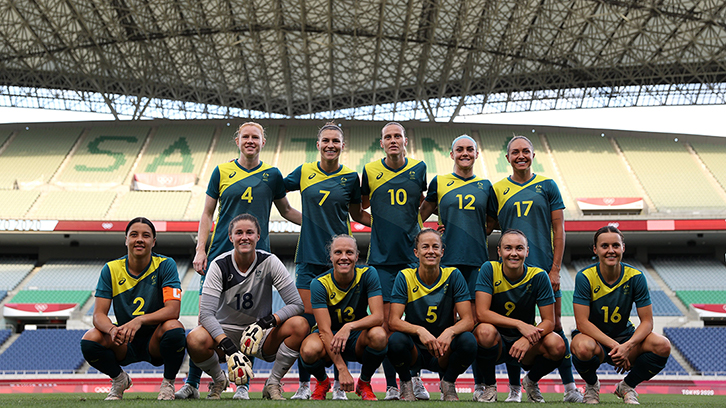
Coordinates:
(304, 392)
(419, 389)
(392, 394)
(242, 392)
(338, 394)
(515, 393)
(532, 390)
(187, 391)
(121, 383)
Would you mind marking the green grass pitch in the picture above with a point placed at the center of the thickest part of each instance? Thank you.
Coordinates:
(149, 400)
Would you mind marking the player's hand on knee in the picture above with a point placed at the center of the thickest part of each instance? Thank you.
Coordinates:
(239, 367)
(251, 341)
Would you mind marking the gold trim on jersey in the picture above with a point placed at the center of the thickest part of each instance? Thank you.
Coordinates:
(230, 173)
(502, 285)
(416, 289)
(379, 174)
(310, 174)
(599, 289)
(122, 281)
(506, 189)
(335, 294)
(448, 182)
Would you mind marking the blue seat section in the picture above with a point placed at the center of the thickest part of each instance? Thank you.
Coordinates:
(5, 335)
(13, 271)
(51, 351)
(142, 367)
(662, 305)
(67, 274)
(702, 347)
(3, 293)
(691, 273)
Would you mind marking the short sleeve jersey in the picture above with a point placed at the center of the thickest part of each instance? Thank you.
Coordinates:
(325, 200)
(463, 208)
(138, 295)
(516, 300)
(395, 199)
(240, 191)
(431, 307)
(345, 304)
(528, 207)
(610, 305)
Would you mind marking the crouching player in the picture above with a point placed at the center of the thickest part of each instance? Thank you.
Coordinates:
(507, 293)
(430, 337)
(341, 299)
(236, 308)
(146, 295)
(603, 298)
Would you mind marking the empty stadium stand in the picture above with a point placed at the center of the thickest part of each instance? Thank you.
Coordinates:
(155, 205)
(30, 354)
(14, 204)
(363, 146)
(702, 347)
(686, 273)
(74, 205)
(712, 156)
(79, 297)
(66, 274)
(13, 271)
(177, 149)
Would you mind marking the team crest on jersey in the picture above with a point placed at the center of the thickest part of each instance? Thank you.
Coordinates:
(343, 180)
(445, 288)
(480, 185)
(153, 280)
(626, 289)
(529, 288)
(122, 281)
(258, 274)
(538, 188)
(265, 177)
(412, 174)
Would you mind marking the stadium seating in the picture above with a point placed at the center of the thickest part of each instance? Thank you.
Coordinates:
(177, 149)
(299, 148)
(147, 204)
(689, 297)
(67, 274)
(363, 146)
(669, 174)
(14, 204)
(13, 271)
(702, 347)
(687, 273)
(434, 145)
(712, 156)
(105, 155)
(3, 293)
(34, 155)
(5, 335)
(74, 205)
(591, 167)
(30, 353)
(79, 297)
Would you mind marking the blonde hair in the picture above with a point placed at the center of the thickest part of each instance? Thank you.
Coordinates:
(255, 124)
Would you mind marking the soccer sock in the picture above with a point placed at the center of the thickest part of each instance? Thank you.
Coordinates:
(399, 352)
(390, 372)
(372, 359)
(645, 367)
(317, 369)
(303, 373)
(463, 355)
(514, 372)
(587, 369)
(194, 377)
(486, 359)
(171, 347)
(284, 359)
(565, 367)
(100, 358)
(211, 366)
(540, 367)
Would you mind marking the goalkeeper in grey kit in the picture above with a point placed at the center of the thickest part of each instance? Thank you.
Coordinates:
(236, 316)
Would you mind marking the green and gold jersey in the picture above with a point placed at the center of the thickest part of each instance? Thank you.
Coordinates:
(528, 207)
(463, 208)
(610, 305)
(345, 304)
(325, 200)
(431, 307)
(395, 198)
(138, 295)
(518, 299)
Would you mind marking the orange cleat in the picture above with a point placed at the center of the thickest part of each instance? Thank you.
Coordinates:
(321, 389)
(364, 390)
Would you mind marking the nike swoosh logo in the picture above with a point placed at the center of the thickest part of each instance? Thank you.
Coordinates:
(233, 174)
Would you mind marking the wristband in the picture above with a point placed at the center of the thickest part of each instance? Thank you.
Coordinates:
(227, 345)
(267, 322)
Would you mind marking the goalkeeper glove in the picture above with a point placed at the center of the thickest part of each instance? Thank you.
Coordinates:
(252, 339)
(239, 368)
(267, 322)
(227, 346)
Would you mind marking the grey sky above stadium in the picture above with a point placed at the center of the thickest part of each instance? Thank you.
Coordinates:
(417, 59)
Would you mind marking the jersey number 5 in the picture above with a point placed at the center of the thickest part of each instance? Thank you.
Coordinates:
(431, 314)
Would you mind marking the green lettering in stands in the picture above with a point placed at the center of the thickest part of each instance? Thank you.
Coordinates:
(429, 146)
(186, 163)
(372, 149)
(118, 157)
(311, 148)
(503, 165)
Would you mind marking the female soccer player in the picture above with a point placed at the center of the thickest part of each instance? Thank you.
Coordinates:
(329, 191)
(532, 203)
(341, 299)
(430, 337)
(466, 205)
(146, 294)
(603, 298)
(393, 187)
(236, 306)
(507, 293)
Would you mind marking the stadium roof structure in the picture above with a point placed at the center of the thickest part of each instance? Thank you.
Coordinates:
(383, 59)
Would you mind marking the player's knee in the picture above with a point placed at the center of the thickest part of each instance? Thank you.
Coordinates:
(466, 343)
(93, 335)
(199, 339)
(661, 346)
(312, 349)
(91, 349)
(299, 326)
(174, 339)
(170, 325)
(377, 338)
(486, 335)
(583, 349)
(555, 346)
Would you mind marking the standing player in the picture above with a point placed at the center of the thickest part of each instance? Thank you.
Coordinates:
(329, 192)
(393, 187)
(532, 203)
(341, 299)
(236, 308)
(243, 185)
(146, 294)
(603, 298)
(430, 337)
(507, 293)
(466, 205)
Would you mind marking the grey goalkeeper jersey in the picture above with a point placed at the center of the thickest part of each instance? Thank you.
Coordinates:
(233, 299)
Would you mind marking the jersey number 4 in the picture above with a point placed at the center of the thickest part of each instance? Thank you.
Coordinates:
(247, 195)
